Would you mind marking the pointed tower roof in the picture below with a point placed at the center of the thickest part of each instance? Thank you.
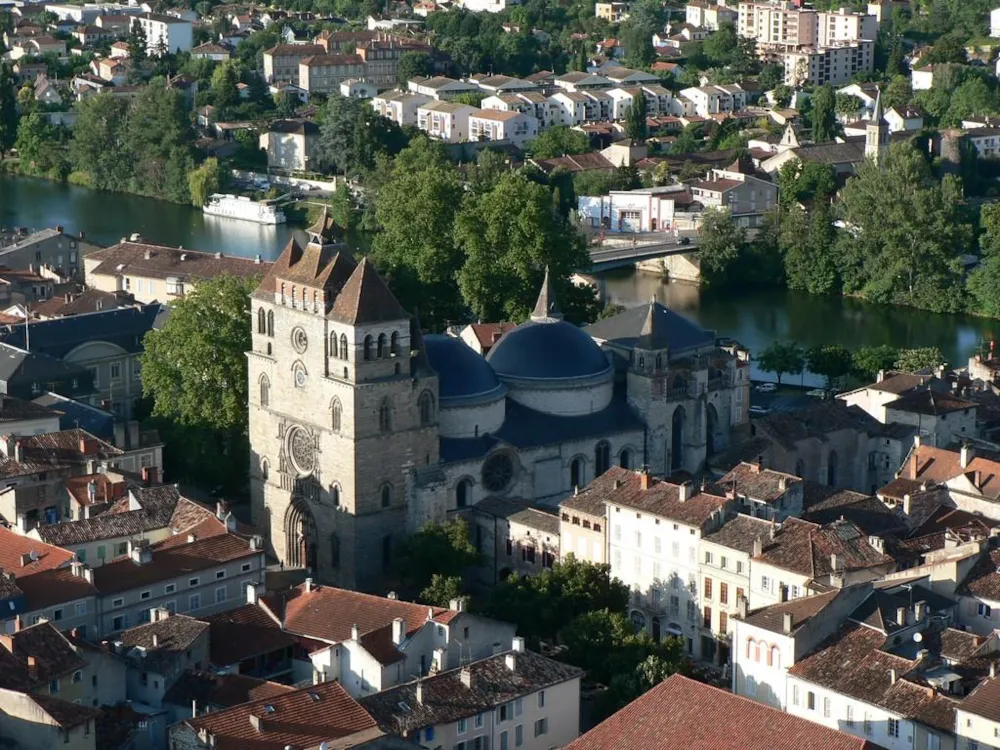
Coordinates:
(365, 298)
(653, 333)
(317, 266)
(547, 307)
(790, 137)
(878, 113)
(324, 230)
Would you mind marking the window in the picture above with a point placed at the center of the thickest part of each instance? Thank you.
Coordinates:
(850, 716)
(811, 700)
(145, 595)
(541, 727)
(429, 734)
(220, 595)
(426, 403)
(675, 549)
(220, 574)
(270, 323)
(170, 588)
(707, 618)
(708, 588)
(708, 558)
(503, 741)
(265, 391)
(78, 676)
(463, 725)
(795, 695)
(541, 699)
(893, 727)
(764, 584)
(739, 595)
(724, 593)
(57, 614)
(119, 623)
(116, 370)
(739, 566)
(984, 610)
(868, 723)
(519, 735)
(194, 602)
(119, 602)
(368, 348)
(478, 722)
(385, 416)
(723, 622)
(602, 458)
(245, 567)
(80, 608)
(193, 582)
(826, 708)
(638, 540)
(722, 561)
(336, 412)
(386, 496)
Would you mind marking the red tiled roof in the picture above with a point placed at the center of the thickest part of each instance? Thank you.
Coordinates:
(243, 633)
(13, 546)
(164, 262)
(54, 657)
(489, 333)
(937, 465)
(67, 715)
(300, 719)
(365, 298)
(683, 713)
(52, 587)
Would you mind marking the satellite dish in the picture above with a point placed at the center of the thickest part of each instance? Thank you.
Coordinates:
(918, 637)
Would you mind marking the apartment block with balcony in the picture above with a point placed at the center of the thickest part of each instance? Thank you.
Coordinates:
(832, 65)
(496, 125)
(446, 121)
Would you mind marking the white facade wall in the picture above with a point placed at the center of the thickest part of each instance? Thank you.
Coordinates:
(761, 660)
(566, 110)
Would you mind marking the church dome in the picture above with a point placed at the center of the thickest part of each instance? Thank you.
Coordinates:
(547, 350)
(463, 375)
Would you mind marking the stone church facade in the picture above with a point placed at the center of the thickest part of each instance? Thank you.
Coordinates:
(362, 430)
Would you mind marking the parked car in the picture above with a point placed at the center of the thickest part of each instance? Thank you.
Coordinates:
(767, 387)
(817, 393)
(759, 411)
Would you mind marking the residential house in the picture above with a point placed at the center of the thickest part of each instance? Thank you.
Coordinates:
(303, 718)
(165, 34)
(972, 482)
(985, 141)
(281, 63)
(37, 46)
(512, 699)
(21, 417)
(514, 537)
(612, 12)
(26, 71)
(764, 493)
(568, 108)
(46, 92)
(581, 81)
(708, 15)
(713, 100)
(216, 53)
(582, 530)
(905, 118)
(682, 712)
(487, 6)
(49, 248)
(977, 721)
(447, 121)
(399, 106)
(197, 692)
(828, 66)
(28, 375)
(113, 70)
(323, 74)
(495, 125)
(441, 87)
(369, 643)
(41, 722)
(627, 77)
(497, 84)
(922, 79)
(357, 89)
(291, 145)
(158, 273)
(747, 198)
(480, 337)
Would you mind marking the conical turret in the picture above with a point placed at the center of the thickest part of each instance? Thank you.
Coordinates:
(547, 307)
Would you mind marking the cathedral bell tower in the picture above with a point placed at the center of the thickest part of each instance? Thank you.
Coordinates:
(877, 133)
(339, 408)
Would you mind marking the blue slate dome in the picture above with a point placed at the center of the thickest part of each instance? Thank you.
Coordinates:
(462, 374)
(549, 349)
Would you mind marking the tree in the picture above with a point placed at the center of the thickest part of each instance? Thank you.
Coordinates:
(8, 109)
(558, 141)
(783, 95)
(137, 44)
(194, 370)
(442, 590)
(413, 65)
(832, 361)
(99, 147)
(898, 93)
(440, 550)
(225, 95)
(848, 105)
(922, 358)
(635, 118)
(158, 135)
(984, 287)
(352, 134)
(719, 243)
(807, 243)
(870, 360)
(204, 181)
(781, 357)
(637, 38)
(824, 116)
(344, 208)
(510, 235)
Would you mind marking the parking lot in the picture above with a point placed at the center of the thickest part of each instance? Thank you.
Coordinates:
(783, 398)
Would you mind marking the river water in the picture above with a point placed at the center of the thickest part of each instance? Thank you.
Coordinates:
(755, 317)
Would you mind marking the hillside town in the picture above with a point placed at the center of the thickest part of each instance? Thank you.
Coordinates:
(413, 471)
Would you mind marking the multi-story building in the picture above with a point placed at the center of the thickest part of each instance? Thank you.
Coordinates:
(40, 722)
(513, 538)
(441, 87)
(496, 125)
(381, 57)
(568, 108)
(582, 530)
(782, 26)
(153, 273)
(708, 15)
(291, 144)
(165, 34)
(399, 106)
(613, 12)
(713, 100)
(323, 74)
(830, 65)
(281, 63)
(509, 700)
(835, 27)
(49, 248)
(447, 121)
(745, 197)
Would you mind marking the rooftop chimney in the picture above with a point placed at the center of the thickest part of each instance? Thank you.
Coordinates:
(156, 640)
(683, 492)
(32, 668)
(644, 479)
(906, 504)
(257, 723)
(466, 676)
(835, 563)
(253, 592)
(787, 622)
(993, 669)
(457, 605)
(438, 660)
(901, 616)
(923, 654)
(420, 691)
(758, 547)
(398, 630)
(893, 676)
(308, 585)
(965, 456)
(391, 595)
(355, 634)
(918, 611)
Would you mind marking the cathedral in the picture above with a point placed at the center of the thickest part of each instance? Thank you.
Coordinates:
(362, 429)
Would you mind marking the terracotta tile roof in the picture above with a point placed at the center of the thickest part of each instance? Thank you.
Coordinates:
(899, 382)
(445, 698)
(91, 300)
(984, 700)
(54, 657)
(622, 487)
(15, 551)
(922, 704)
(66, 447)
(301, 718)
(930, 403)
(681, 712)
(757, 483)
(901, 486)
(487, 334)
(983, 581)
(221, 690)
(539, 519)
(243, 633)
(326, 613)
(317, 61)
(366, 298)
(52, 587)
(161, 644)
(67, 715)
(165, 262)
(802, 609)
(124, 574)
(815, 422)
(13, 409)
(958, 645)
(740, 532)
(823, 504)
(806, 548)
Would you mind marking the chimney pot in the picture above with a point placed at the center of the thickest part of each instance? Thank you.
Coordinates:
(644, 480)
(901, 616)
(758, 547)
(787, 622)
(420, 691)
(391, 595)
(893, 676)
(398, 630)
(466, 677)
(309, 585)
(518, 644)
(355, 634)
(683, 492)
(32, 667)
(511, 661)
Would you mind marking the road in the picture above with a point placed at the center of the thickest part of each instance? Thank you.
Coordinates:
(603, 257)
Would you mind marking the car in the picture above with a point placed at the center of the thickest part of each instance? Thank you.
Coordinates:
(817, 393)
(767, 387)
(759, 411)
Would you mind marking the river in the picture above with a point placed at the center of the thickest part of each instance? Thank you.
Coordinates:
(755, 317)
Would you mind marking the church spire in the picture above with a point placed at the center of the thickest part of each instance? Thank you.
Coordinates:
(547, 307)
(877, 132)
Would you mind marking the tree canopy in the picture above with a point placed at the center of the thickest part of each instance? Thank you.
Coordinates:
(430, 564)
(782, 358)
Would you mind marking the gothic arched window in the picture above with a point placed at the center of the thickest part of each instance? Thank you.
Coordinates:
(394, 344)
(385, 416)
(265, 390)
(576, 472)
(335, 495)
(333, 345)
(463, 490)
(264, 469)
(386, 495)
(270, 323)
(426, 403)
(602, 458)
(260, 321)
(625, 459)
(335, 413)
(368, 348)
(343, 346)
(380, 349)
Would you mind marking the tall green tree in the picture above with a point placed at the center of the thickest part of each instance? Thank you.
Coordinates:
(194, 371)
(100, 148)
(204, 180)
(869, 360)
(158, 134)
(225, 94)
(413, 65)
(635, 118)
(558, 141)
(439, 549)
(921, 358)
(637, 38)
(509, 236)
(8, 109)
(352, 134)
(808, 245)
(720, 241)
(137, 42)
(824, 114)
(832, 361)
(781, 358)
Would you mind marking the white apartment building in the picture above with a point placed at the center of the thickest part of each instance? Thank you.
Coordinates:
(530, 103)
(568, 108)
(654, 533)
(165, 34)
(708, 15)
(496, 125)
(487, 6)
(713, 100)
(781, 26)
(995, 22)
(577, 81)
(833, 65)
(399, 106)
(440, 87)
(447, 121)
(843, 26)
(922, 79)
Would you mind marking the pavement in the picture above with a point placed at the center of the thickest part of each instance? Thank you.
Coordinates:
(786, 398)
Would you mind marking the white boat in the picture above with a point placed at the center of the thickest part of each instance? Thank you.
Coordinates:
(241, 207)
